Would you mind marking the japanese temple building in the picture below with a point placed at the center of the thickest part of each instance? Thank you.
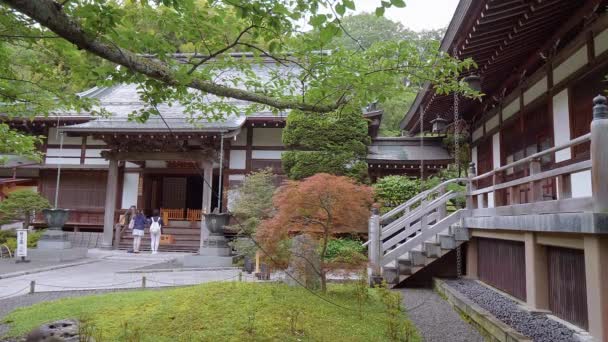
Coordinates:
(535, 223)
(111, 163)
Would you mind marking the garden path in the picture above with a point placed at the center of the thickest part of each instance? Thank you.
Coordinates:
(435, 319)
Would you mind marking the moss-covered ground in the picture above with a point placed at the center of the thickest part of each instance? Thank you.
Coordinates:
(222, 311)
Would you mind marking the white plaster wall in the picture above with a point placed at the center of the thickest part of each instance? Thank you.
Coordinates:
(561, 125)
(601, 42)
(510, 109)
(93, 152)
(131, 165)
(156, 164)
(266, 154)
(581, 184)
(241, 138)
(66, 152)
(236, 177)
(96, 161)
(238, 159)
(535, 91)
(63, 161)
(571, 65)
(267, 137)
(54, 138)
(496, 150)
(94, 142)
(129, 190)
(492, 123)
(474, 156)
(478, 133)
(491, 203)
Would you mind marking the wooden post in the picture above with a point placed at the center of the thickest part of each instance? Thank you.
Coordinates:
(471, 187)
(375, 248)
(536, 191)
(564, 187)
(143, 282)
(110, 205)
(32, 286)
(599, 155)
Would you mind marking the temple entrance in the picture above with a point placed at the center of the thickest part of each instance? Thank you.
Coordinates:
(175, 191)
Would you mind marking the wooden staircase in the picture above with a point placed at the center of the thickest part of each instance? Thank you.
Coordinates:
(187, 236)
(415, 234)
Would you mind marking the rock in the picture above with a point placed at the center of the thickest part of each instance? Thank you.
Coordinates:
(304, 264)
(58, 331)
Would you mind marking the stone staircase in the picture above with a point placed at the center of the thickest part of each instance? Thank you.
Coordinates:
(415, 234)
(187, 236)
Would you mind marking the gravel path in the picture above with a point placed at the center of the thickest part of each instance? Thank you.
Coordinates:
(534, 325)
(435, 318)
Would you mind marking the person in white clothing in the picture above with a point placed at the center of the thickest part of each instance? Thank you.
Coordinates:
(156, 224)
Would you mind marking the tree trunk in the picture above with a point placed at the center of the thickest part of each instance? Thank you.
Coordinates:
(26, 221)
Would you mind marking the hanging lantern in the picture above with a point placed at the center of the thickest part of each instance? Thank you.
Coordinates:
(439, 124)
(473, 81)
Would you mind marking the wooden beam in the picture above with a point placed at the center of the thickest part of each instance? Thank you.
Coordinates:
(142, 156)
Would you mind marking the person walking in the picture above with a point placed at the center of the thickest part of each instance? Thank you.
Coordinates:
(139, 225)
(156, 224)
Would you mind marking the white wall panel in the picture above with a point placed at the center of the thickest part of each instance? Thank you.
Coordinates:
(474, 157)
(64, 161)
(94, 142)
(570, 65)
(496, 150)
(93, 152)
(129, 190)
(535, 91)
(54, 138)
(492, 123)
(96, 161)
(266, 154)
(510, 109)
(66, 152)
(581, 184)
(600, 42)
(478, 133)
(241, 138)
(238, 159)
(156, 164)
(561, 124)
(267, 136)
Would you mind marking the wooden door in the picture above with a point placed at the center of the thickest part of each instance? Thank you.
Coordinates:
(567, 285)
(502, 264)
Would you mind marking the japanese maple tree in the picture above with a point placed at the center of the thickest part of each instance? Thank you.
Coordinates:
(323, 206)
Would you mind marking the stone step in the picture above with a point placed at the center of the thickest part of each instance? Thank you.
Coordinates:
(432, 249)
(417, 257)
(461, 233)
(447, 242)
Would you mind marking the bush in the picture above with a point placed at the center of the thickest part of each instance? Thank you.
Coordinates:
(343, 249)
(391, 191)
(9, 238)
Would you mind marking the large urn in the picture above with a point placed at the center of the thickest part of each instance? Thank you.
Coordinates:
(215, 223)
(56, 217)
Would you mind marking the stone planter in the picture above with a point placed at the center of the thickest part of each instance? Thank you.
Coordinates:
(56, 217)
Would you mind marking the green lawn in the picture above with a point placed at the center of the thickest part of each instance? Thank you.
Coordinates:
(219, 312)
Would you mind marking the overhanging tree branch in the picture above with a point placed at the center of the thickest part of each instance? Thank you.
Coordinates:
(49, 13)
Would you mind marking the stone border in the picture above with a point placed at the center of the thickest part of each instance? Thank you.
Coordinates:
(490, 326)
(44, 269)
(181, 269)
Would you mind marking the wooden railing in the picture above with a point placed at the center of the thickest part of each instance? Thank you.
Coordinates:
(178, 214)
(478, 198)
(194, 214)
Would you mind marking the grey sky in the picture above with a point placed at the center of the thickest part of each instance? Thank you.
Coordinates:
(418, 15)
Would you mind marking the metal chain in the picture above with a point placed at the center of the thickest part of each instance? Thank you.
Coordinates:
(457, 161)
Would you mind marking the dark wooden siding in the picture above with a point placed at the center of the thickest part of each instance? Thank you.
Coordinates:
(77, 189)
(502, 264)
(567, 285)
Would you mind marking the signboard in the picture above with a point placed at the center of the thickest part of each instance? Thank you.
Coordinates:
(21, 243)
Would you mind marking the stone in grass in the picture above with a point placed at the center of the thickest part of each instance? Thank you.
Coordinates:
(304, 263)
(58, 331)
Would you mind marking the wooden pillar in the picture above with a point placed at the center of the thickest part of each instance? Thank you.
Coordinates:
(596, 278)
(472, 272)
(564, 187)
(536, 190)
(110, 205)
(537, 278)
(471, 187)
(599, 155)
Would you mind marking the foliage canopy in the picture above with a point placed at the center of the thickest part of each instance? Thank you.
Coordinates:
(21, 205)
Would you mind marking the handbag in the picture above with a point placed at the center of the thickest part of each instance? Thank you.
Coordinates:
(131, 224)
